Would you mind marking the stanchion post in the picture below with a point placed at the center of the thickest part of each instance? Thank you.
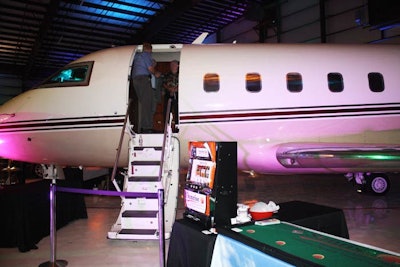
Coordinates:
(161, 226)
(53, 238)
(53, 221)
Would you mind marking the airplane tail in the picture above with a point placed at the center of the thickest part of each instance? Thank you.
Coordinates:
(201, 38)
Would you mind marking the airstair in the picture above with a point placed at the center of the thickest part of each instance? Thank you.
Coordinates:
(153, 165)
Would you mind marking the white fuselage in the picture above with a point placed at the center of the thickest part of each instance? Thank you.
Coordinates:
(81, 125)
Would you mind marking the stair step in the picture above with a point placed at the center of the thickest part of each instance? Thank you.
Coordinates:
(152, 196)
(141, 148)
(139, 222)
(143, 179)
(140, 213)
(146, 154)
(146, 162)
(142, 187)
(144, 170)
(138, 218)
(148, 140)
(138, 231)
(141, 203)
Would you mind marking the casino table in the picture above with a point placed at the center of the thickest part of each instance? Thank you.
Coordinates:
(286, 244)
(323, 218)
(190, 247)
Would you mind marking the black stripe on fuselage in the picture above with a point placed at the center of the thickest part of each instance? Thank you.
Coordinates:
(210, 117)
(292, 113)
(62, 124)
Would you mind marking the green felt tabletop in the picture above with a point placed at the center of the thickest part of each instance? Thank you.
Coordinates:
(319, 248)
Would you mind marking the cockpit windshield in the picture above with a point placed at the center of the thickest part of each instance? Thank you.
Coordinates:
(77, 74)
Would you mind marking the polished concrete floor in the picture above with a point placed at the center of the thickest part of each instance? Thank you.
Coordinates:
(373, 220)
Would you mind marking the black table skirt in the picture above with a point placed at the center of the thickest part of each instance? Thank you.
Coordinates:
(25, 210)
(189, 247)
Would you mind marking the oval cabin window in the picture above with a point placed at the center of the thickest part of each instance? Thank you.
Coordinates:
(211, 82)
(376, 83)
(253, 82)
(335, 82)
(294, 82)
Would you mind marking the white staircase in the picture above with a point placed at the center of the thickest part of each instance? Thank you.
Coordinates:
(138, 218)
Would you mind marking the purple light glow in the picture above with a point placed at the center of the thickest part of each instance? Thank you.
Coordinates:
(10, 147)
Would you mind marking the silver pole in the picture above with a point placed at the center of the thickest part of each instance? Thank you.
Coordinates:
(53, 239)
(161, 226)
(53, 236)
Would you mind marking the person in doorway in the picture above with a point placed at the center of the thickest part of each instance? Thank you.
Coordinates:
(171, 84)
(143, 68)
(156, 80)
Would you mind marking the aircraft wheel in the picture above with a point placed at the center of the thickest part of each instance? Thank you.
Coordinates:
(38, 170)
(378, 183)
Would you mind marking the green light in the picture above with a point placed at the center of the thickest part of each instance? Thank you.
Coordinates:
(379, 156)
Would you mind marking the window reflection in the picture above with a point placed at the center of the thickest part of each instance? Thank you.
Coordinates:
(211, 82)
(294, 82)
(72, 75)
(335, 82)
(253, 82)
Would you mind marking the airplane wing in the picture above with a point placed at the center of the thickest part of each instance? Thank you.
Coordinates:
(327, 155)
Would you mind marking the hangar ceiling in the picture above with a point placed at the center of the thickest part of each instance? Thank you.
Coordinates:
(39, 36)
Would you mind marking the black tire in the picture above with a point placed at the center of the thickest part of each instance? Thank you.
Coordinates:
(38, 171)
(378, 183)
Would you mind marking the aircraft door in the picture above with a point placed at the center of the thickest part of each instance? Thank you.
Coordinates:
(133, 102)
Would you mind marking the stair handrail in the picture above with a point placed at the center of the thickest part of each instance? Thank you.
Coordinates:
(167, 134)
(161, 196)
(121, 139)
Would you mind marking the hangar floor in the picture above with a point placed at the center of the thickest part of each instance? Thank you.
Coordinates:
(370, 219)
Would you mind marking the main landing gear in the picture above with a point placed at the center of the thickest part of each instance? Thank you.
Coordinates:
(375, 183)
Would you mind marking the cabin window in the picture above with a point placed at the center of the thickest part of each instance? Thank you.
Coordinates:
(253, 82)
(211, 82)
(294, 82)
(376, 83)
(335, 82)
(77, 74)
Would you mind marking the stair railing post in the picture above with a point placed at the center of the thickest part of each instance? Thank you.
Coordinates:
(121, 139)
(161, 226)
(161, 222)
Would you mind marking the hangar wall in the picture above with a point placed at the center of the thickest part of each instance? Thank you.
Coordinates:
(11, 86)
(346, 21)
